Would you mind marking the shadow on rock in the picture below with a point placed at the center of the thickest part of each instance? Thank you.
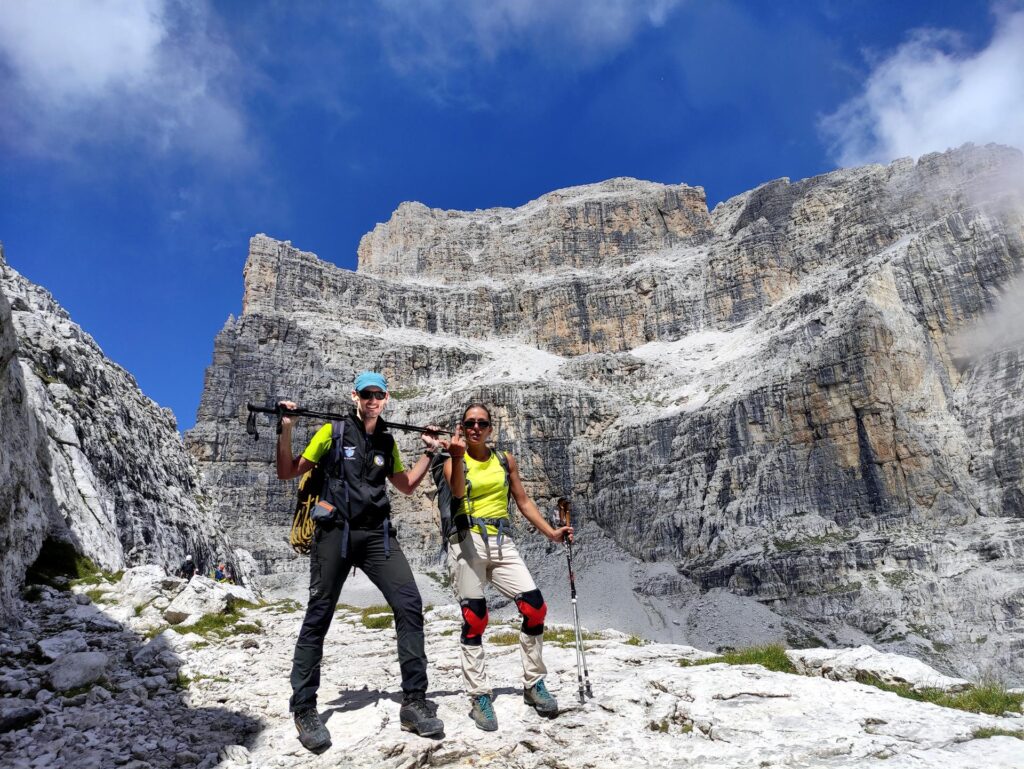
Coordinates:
(81, 690)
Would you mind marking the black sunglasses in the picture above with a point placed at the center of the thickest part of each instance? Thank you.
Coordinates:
(369, 394)
(483, 424)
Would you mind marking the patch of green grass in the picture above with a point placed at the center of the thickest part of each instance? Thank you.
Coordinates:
(561, 636)
(406, 393)
(224, 624)
(987, 697)
(567, 636)
(286, 606)
(377, 617)
(833, 538)
(659, 726)
(182, 681)
(506, 638)
(96, 596)
(897, 579)
(984, 734)
(448, 632)
(635, 640)
(771, 656)
(153, 632)
(77, 690)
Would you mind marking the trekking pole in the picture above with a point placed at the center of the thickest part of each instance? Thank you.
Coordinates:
(281, 411)
(582, 674)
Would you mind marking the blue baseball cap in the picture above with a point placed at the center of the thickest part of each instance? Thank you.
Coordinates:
(370, 379)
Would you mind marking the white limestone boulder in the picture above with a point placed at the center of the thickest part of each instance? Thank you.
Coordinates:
(203, 596)
(143, 585)
(847, 664)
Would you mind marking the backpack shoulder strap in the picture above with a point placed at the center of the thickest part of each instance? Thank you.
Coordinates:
(503, 459)
(333, 456)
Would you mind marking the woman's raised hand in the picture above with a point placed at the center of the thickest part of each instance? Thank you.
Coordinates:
(457, 445)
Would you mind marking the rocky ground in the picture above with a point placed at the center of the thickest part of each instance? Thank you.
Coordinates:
(94, 677)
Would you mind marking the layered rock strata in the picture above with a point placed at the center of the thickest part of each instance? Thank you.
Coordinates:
(86, 459)
(768, 397)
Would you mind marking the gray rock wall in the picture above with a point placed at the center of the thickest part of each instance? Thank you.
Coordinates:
(767, 397)
(87, 458)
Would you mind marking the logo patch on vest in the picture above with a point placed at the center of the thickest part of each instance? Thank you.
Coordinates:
(350, 451)
(378, 459)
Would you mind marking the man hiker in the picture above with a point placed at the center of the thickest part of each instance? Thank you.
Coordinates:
(360, 535)
(188, 568)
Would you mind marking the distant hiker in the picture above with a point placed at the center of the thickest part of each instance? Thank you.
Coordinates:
(484, 480)
(219, 573)
(357, 532)
(188, 568)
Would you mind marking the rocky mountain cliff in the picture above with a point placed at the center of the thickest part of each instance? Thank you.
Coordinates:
(86, 459)
(766, 401)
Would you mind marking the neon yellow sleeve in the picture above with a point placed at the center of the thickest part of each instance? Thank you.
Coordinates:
(319, 444)
(396, 460)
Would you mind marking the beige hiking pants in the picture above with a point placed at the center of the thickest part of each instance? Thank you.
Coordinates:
(471, 564)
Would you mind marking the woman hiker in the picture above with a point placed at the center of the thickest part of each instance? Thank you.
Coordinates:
(360, 536)
(483, 480)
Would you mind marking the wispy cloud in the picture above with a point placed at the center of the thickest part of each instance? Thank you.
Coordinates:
(147, 73)
(933, 94)
(1002, 327)
(439, 39)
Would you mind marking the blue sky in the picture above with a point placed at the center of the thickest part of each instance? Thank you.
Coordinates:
(142, 142)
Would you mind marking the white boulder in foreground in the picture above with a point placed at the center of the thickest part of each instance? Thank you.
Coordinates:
(846, 664)
(203, 595)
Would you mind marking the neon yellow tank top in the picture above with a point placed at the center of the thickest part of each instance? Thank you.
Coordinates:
(488, 497)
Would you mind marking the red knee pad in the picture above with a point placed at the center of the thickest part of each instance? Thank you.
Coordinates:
(534, 610)
(474, 620)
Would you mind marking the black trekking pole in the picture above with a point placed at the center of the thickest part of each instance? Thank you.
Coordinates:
(582, 674)
(280, 411)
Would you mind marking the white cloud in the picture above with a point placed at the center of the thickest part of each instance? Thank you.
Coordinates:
(142, 72)
(439, 36)
(933, 94)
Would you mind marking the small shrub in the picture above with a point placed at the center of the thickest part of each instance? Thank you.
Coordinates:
(984, 734)
(635, 640)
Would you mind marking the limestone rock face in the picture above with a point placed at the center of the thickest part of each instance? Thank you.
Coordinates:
(85, 458)
(768, 399)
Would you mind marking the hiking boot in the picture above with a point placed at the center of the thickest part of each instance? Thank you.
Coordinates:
(312, 733)
(420, 717)
(482, 713)
(541, 699)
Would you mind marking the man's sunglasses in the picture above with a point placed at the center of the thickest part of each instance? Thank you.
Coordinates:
(483, 424)
(369, 394)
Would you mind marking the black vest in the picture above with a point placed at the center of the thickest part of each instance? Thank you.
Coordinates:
(364, 464)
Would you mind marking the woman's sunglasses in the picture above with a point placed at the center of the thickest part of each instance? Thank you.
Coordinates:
(469, 424)
(368, 394)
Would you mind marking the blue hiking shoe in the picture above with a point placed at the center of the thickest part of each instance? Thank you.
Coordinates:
(482, 713)
(541, 699)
